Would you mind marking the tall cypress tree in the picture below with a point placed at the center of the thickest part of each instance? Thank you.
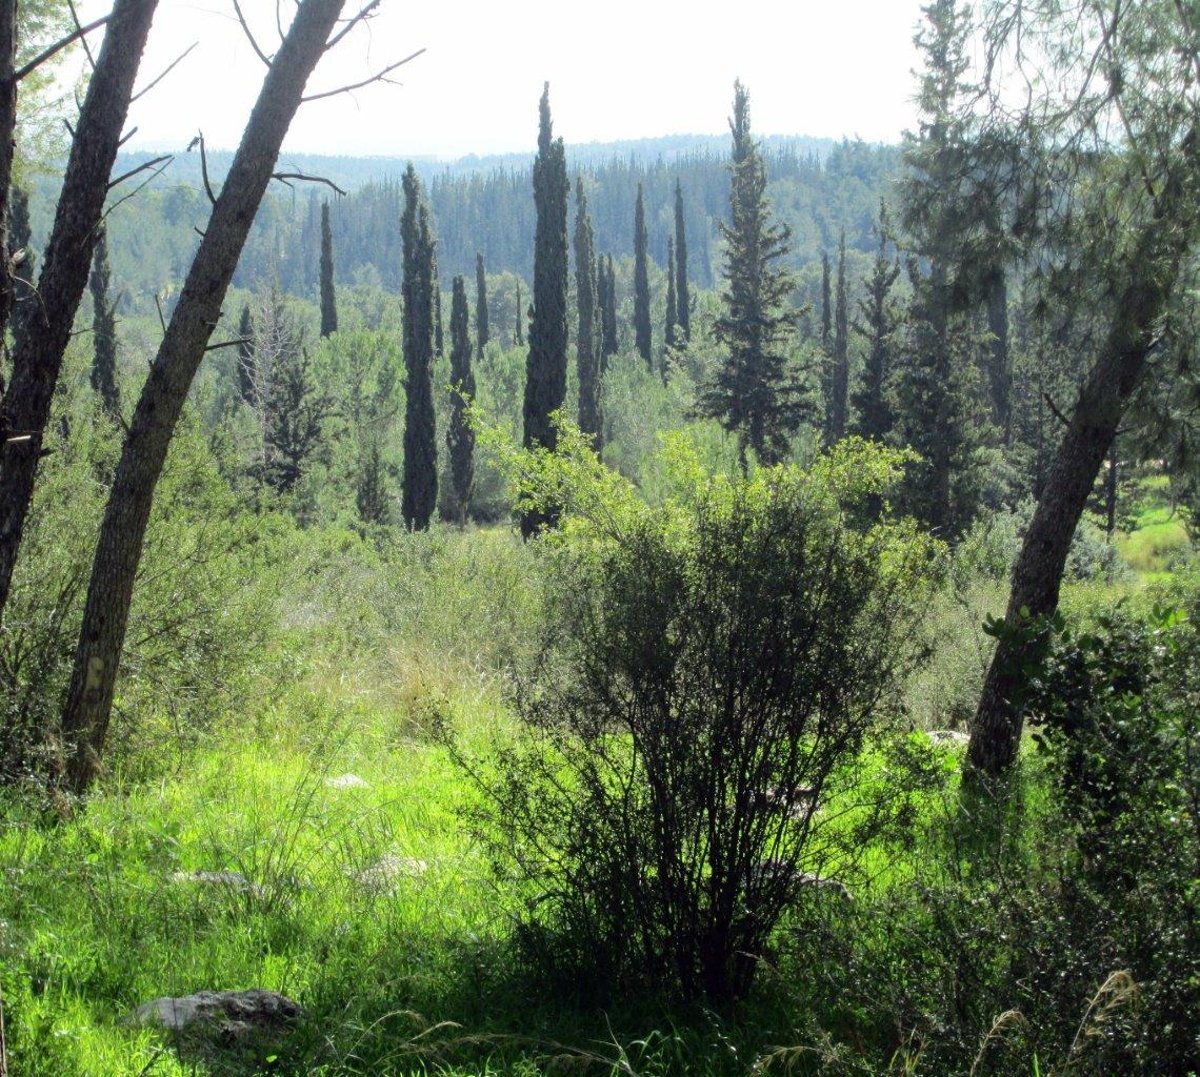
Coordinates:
(546, 366)
(518, 330)
(482, 333)
(641, 281)
(877, 324)
(754, 392)
(247, 380)
(439, 337)
(671, 334)
(104, 331)
(460, 438)
(826, 349)
(609, 344)
(683, 299)
(328, 296)
(419, 482)
(840, 376)
(587, 344)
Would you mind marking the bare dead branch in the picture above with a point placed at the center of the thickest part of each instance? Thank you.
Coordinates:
(125, 138)
(140, 168)
(79, 32)
(171, 67)
(380, 76)
(229, 344)
(58, 46)
(138, 189)
(70, 129)
(1054, 409)
(365, 13)
(161, 319)
(249, 35)
(199, 141)
(284, 177)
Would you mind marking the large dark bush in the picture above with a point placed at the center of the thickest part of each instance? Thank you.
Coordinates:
(710, 672)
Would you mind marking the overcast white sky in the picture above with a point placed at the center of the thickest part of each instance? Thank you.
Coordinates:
(617, 69)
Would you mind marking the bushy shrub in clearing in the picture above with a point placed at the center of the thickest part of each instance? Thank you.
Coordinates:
(709, 671)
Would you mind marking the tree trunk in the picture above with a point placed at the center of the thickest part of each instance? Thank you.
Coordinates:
(110, 590)
(68, 260)
(8, 126)
(1149, 274)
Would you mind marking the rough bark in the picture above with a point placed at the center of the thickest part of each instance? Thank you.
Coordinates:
(1149, 274)
(8, 126)
(110, 590)
(37, 359)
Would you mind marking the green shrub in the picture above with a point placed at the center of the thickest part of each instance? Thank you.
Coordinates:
(709, 672)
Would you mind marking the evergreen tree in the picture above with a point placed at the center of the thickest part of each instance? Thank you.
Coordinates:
(329, 321)
(641, 281)
(840, 377)
(482, 334)
(754, 393)
(439, 333)
(294, 413)
(683, 299)
(518, 330)
(826, 348)
(419, 482)
(104, 332)
(671, 334)
(546, 366)
(370, 489)
(877, 325)
(246, 379)
(587, 343)
(460, 437)
(609, 344)
(934, 412)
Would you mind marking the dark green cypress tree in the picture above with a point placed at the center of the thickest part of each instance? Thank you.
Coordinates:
(609, 345)
(439, 333)
(419, 482)
(840, 377)
(104, 331)
(671, 334)
(877, 325)
(482, 333)
(826, 349)
(587, 343)
(754, 394)
(460, 437)
(641, 281)
(683, 298)
(329, 321)
(247, 380)
(546, 366)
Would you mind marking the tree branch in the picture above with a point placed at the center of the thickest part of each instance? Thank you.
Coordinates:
(380, 76)
(79, 32)
(171, 67)
(249, 35)
(140, 168)
(139, 188)
(1054, 409)
(365, 13)
(283, 177)
(199, 141)
(58, 46)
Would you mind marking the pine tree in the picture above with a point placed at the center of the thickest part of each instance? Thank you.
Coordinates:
(671, 333)
(683, 297)
(934, 412)
(329, 320)
(840, 378)
(246, 379)
(546, 366)
(587, 343)
(104, 332)
(641, 281)
(482, 334)
(877, 324)
(754, 394)
(460, 437)
(419, 482)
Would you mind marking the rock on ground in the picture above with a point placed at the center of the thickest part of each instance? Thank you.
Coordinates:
(233, 1014)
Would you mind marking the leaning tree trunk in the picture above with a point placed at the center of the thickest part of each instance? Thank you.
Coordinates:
(1149, 273)
(118, 552)
(67, 263)
(8, 126)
